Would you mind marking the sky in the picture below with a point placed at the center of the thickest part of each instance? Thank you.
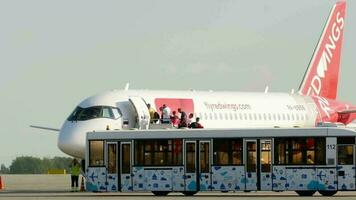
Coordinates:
(54, 54)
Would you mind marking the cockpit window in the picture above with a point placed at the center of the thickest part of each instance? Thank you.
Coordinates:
(82, 114)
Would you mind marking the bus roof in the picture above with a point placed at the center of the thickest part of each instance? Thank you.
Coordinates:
(221, 133)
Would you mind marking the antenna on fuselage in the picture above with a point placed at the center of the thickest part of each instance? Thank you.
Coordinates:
(127, 86)
(266, 89)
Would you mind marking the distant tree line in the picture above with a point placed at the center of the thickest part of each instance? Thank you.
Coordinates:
(33, 165)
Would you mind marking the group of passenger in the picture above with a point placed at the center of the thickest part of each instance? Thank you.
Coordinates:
(178, 119)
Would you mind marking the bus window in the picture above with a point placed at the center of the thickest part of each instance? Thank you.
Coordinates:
(126, 158)
(227, 151)
(204, 157)
(96, 153)
(158, 152)
(345, 154)
(297, 151)
(266, 156)
(190, 158)
(307, 151)
(345, 149)
(112, 159)
(251, 156)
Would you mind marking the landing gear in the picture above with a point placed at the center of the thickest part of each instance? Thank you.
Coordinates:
(160, 193)
(305, 193)
(327, 193)
(189, 193)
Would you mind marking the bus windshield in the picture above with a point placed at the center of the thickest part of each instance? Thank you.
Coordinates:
(82, 114)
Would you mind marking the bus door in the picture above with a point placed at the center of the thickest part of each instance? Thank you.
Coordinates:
(125, 163)
(251, 177)
(197, 165)
(113, 178)
(265, 165)
(142, 113)
(346, 163)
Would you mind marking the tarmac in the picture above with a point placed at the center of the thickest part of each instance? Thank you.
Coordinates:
(58, 187)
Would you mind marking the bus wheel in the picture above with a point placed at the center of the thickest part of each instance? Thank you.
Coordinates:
(327, 193)
(160, 193)
(189, 193)
(305, 193)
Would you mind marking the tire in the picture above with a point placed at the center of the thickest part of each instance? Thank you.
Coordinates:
(305, 193)
(189, 193)
(160, 193)
(327, 193)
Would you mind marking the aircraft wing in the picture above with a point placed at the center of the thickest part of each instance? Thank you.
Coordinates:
(45, 128)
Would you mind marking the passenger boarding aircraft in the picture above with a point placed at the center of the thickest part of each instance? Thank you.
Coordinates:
(315, 102)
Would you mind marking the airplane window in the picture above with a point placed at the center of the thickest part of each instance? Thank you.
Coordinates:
(116, 112)
(240, 115)
(231, 117)
(255, 116)
(205, 116)
(264, 116)
(82, 114)
(292, 116)
(215, 116)
(107, 113)
(259, 116)
(210, 116)
(220, 116)
(250, 116)
(226, 116)
(245, 116)
(279, 116)
(236, 116)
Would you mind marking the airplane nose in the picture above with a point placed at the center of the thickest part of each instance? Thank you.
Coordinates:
(71, 139)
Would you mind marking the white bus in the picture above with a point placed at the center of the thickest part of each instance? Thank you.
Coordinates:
(191, 161)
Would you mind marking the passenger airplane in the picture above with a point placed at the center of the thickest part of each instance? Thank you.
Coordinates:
(315, 102)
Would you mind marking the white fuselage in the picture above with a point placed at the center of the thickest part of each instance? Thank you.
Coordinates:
(215, 110)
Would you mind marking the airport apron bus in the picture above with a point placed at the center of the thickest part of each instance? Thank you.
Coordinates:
(304, 160)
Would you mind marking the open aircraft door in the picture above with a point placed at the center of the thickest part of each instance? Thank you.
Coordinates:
(142, 113)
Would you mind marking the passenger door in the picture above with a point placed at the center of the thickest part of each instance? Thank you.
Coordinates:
(251, 165)
(143, 115)
(346, 163)
(265, 165)
(113, 180)
(125, 167)
(197, 161)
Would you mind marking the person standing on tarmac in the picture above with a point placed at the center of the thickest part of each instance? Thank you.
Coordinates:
(75, 171)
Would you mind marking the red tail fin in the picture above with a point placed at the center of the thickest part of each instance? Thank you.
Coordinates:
(322, 75)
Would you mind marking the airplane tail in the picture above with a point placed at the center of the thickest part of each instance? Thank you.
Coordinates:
(322, 75)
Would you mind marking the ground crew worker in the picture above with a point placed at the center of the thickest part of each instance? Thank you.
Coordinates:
(75, 171)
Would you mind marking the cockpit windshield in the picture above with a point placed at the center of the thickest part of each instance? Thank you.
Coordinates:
(82, 114)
